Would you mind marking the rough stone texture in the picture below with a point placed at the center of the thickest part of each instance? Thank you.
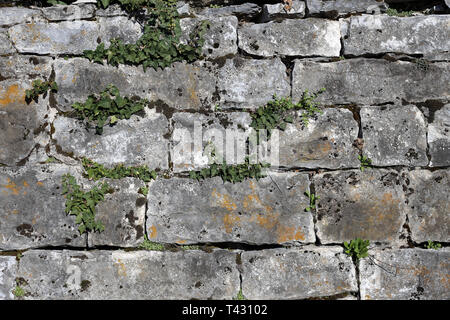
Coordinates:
(439, 137)
(195, 135)
(70, 12)
(305, 37)
(137, 141)
(6, 46)
(182, 86)
(32, 211)
(245, 11)
(429, 208)
(8, 266)
(249, 83)
(111, 11)
(354, 204)
(381, 33)
(118, 28)
(129, 275)
(278, 11)
(271, 210)
(389, 143)
(123, 215)
(220, 37)
(406, 274)
(297, 274)
(337, 8)
(371, 81)
(15, 15)
(25, 67)
(326, 142)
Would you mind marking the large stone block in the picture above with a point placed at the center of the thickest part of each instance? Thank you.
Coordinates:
(70, 12)
(15, 15)
(6, 46)
(439, 137)
(246, 11)
(296, 37)
(406, 274)
(297, 274)
(32, 211)
(371, 81)
(25, 67)
(249, 83)
(429, 208)
(8, 266)
(381, 33)
(394, 135)
(354, 204)
(280, 11)
(181, 86)
(137, 141)
(118, 28)
(337, 8)
(149, 275)
(268, 211)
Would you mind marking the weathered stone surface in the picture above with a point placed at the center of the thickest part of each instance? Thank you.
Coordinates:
(6, 46)
(8, 266)
(278, 11)
(181, 86)
(25, 67)
(429, 208)
(123, 215)
(123, 275)
(382, 33)
(70, 12)
(400, 142)
(249, 83)
(111, 11)
(370, 81)
(32, 211)
(220, 37)
(297, 274)
(305, 37)
(183, 9)
(14, 15)
(196, 136)
(118, 28)
(245, 11)
(439, 137)
(354, 204)
(136, 141)
(271, 210)
(327, 142)
(406, 274)
(337, 8)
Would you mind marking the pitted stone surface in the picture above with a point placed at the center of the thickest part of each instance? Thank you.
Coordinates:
(278, 11)
(182, 86)
(249, 83)
(70, 12)
(336, 8)
(137, 141)
(327, 142)
(381, 33)
(32, 211)
(244, 11)
(297, 274)
(406, 274)
(123, 275)
(220, 37)
(15, 15)
(8, 266)
(118, 28)
(291, 37)
(354, 204)
(25, 67)
(195, 137)
(271, 210)
(6, 46)
(388, 143)
(439, 137)
(371, 81)
(429, 208)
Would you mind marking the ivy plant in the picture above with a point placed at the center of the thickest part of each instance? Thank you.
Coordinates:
(95, 171)
(108, 107)
(39, 87)
(312, 200)
(357, 248)
(82, 204)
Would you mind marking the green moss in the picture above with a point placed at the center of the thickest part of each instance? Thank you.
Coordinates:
(18, 292)
(152, 246)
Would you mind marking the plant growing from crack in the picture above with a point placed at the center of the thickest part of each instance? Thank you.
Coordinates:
(396, 13)
(95, 171)
(365, 162)
(18, 291)
(39, 87)
(312, 200)
(240, 296)
(357, 248)
(149, 245)
(433, 245)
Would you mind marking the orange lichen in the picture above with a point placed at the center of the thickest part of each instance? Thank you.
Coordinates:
(224, 201)
(12, 94)
(286, 233)
(121, 269)
(229, 221)
(153, 232)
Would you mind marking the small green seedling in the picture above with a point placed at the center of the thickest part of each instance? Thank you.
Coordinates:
(433, 245)
(357, 248)
(143, 191)
(39, 87)
(312, 200)
(149, 245)
(365, 162)
(240, 296)
(396, 13)
(18, 291)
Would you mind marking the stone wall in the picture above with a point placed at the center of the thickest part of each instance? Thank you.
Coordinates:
(387, 98)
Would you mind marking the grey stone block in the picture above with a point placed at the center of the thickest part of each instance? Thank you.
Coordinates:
(297, 274)
(268, 211)
(8, 266)
(69, 12)
(394, 135)
(118, 28)
(439, 137)
(279, 11)
(25, 67)
(6, 46)
(354, 204)
(338, 8)
(15, 15)
(245, 11)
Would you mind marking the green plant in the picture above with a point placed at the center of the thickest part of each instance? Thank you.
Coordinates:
(357, 248)
(365, 162)
(143, 191)
(395, 12)
(312, 200)
(50, 160)
(39, 87)
(18, 291)
(82, 204)
(240, 296)
(231, 173)
(149, 245)
(159, 45)
(55, 2)
(190, 247)
(108, 105)
(433, 245)
(276, 113)
(95, 171)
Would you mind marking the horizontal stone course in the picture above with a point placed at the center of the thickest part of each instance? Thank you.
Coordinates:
(15, 15)
(69, 12)
(279, 11)
(337, 8)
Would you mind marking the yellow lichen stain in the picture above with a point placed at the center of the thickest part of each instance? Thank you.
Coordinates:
(12, 186)
(25, 184)
(12, 94)
(224, 200)
(153, 232)
(192, 87)
(266, 221)
(15, 211)
(286, 234)
(121, 269)
(181, 241)
(229, 220)
(39, 183)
